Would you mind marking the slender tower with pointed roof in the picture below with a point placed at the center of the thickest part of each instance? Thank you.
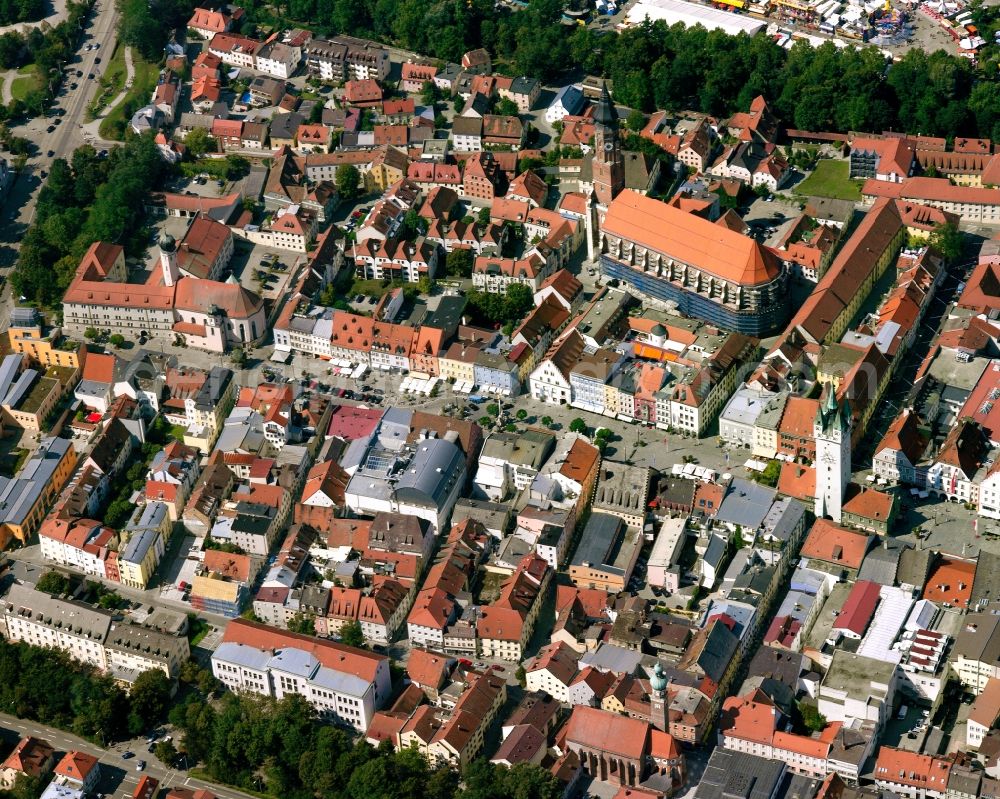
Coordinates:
(832, 432)
(608, 165)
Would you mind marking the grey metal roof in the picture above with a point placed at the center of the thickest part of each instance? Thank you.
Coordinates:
(432, 473)
(139, 545)
(746, 503)
(735, 775)
(784, 516)
(18, 496)
(241, 655)
(599, 539)
(716, 549)
(149, 516)
(8, 372)
(72, 618)
(881, 563)
(609, 657)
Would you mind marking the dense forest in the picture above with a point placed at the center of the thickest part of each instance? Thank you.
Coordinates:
(84, 200)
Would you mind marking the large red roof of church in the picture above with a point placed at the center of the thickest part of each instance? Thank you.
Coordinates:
(670, 231)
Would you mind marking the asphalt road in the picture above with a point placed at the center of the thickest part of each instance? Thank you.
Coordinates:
(119, 776)
(19, 206)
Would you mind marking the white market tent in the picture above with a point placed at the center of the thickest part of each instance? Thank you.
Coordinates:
(691, 14)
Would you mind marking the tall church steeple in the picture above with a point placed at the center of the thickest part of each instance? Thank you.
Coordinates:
(658, 699)
(832, 433)
(168, 260)
(609, 165)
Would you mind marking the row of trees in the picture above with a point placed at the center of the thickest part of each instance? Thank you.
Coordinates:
(656, 66)
(281, 748)
(811, 88)
(85, 200)
(47, 686)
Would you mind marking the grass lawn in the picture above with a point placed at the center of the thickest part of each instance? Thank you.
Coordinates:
(112, 82)
(146, 74)
(199, 628)
(830, 179)
(23, 86)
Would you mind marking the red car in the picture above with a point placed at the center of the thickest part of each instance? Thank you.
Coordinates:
(466, 663)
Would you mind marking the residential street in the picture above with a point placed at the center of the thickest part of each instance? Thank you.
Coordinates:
(119, 776)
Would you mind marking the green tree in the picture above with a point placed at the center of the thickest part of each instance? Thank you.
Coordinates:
(90, 333)
(149, 699)
(348, 180)
(198, 142)
(635, 121)
(493, 409)
(578, 425)
(303, 623)
(546, 421)
(521, 676)
(351, 634)
(116, 340)
(459, 262)
(52, 582)
(506, 107)
(166, 752)
(948, 240)
(521, 414)
(770, 475)
(484, 216)
(813, 720)
(238, 356)
(429, 93)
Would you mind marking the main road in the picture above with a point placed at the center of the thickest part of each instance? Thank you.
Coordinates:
(19, 205)
(119, 775)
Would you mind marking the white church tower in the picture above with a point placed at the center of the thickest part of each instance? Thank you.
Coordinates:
(832, 431)
(168, 260)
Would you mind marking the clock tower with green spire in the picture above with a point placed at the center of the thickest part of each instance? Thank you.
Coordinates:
(832, 432)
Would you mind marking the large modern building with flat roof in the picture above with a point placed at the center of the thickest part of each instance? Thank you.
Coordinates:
(707, 270)
(606, 554)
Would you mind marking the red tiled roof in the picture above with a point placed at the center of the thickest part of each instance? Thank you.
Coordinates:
(76, 766)
(911, 769)
(950, 582)
(595, 729)
(670, 231)
(332, 655)
(428, 669)
(859, 608)
(835, 544)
